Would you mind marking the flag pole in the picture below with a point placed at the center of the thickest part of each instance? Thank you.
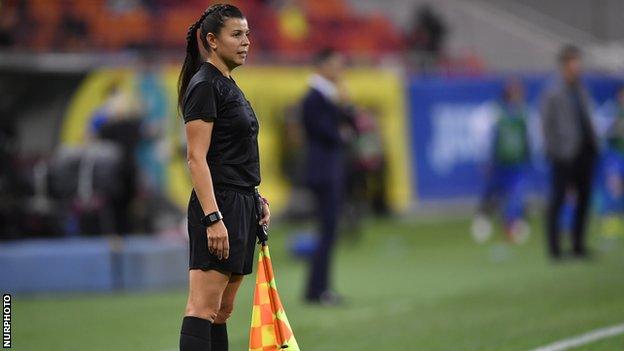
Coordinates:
(269, 269)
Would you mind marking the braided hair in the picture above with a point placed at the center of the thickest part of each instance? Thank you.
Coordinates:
(211, 21)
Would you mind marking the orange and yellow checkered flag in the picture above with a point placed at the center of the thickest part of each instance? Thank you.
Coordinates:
(270, 330)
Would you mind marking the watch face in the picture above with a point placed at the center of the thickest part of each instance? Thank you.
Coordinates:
(212, 218)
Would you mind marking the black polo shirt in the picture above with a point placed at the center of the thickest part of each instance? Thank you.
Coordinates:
(233, 154)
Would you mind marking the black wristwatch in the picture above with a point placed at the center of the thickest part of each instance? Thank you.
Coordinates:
(212, 218)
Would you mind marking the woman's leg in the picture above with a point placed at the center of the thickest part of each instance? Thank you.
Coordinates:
(205, 292)
(219, 328)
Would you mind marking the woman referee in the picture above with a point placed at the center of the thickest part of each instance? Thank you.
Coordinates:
(221, 130)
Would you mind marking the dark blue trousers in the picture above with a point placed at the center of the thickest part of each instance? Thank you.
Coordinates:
(328, 203)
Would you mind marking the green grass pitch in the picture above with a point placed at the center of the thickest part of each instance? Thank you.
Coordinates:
(411, 285)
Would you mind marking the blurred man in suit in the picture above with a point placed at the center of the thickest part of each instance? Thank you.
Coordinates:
(326, 120)
(571, 147)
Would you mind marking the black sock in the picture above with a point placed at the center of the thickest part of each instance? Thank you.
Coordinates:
(219, 337)
(195, 334)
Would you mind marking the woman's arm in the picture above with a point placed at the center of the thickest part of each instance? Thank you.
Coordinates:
(198, 135)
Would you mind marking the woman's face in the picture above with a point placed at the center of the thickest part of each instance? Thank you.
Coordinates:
(232, 43)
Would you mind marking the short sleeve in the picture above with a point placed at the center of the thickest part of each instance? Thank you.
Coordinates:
(201, 103)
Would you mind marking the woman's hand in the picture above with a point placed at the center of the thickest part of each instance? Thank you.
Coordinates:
(218, 243)
(266, 214)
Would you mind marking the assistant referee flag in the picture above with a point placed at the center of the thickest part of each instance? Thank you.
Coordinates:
(270, 330)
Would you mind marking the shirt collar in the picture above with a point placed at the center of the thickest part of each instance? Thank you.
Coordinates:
(324, 86)
(216, 70)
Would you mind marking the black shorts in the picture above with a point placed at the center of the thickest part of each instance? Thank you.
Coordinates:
(239, 216)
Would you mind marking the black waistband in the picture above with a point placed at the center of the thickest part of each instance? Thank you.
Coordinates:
(250, 190)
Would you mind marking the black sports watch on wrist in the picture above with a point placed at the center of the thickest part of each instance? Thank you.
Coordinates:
(211, 218)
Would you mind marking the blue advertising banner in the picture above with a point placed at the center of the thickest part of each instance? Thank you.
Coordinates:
(451, 125)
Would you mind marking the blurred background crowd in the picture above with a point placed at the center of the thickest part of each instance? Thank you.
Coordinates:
(85, 158)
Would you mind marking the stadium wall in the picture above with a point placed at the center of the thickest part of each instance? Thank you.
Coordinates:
(92, 264)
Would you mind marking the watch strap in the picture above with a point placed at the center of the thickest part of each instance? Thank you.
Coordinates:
(212, 218)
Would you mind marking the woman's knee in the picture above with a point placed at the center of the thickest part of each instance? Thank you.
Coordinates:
(205, 293)
(202, 307)
(225, 312)
(203, 312)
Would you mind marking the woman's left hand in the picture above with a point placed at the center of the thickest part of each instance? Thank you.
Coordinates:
(266, 215)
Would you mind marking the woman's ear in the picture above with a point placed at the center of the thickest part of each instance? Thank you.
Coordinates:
(211, 39)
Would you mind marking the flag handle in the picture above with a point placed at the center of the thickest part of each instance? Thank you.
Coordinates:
(279, 333)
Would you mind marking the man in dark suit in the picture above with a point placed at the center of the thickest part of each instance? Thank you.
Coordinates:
(326, 120)
(571, 147)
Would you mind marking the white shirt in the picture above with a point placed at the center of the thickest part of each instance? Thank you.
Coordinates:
(324, 86)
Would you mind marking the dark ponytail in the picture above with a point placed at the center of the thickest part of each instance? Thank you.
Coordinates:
(211, 21)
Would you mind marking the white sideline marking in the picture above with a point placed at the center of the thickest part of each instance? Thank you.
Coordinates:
(583, 339)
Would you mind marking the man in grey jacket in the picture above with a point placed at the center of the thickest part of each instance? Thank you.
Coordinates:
(571, 147)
